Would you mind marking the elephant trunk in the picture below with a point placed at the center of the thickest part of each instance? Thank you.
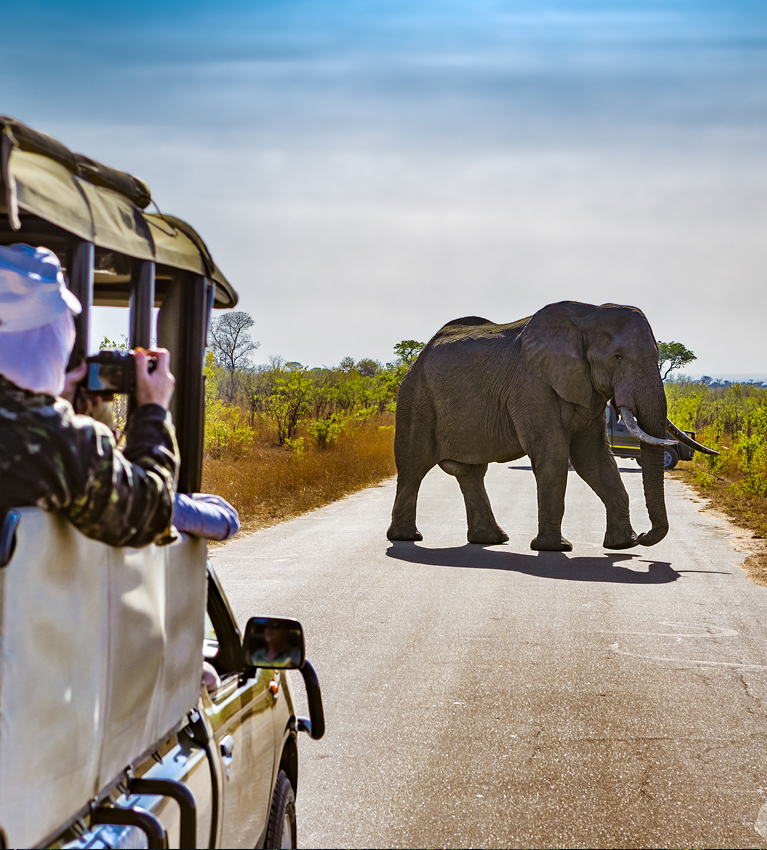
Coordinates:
(649, 406)
(652, 479)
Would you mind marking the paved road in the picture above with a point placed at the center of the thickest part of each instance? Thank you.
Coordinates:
(494, 696)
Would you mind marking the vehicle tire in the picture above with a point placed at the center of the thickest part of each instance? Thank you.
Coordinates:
(671, 458)
(638, 460)
(281, 832)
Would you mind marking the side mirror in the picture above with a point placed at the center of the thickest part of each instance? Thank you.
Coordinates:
(274, 643)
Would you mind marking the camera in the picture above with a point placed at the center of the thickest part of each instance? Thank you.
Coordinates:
(113, 372)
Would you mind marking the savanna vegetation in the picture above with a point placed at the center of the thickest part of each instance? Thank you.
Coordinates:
(282, 438)
(731, 418)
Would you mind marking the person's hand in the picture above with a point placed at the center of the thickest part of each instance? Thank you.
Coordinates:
(154, 387)
(72, 381)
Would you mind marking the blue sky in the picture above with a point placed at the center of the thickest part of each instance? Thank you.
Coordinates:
(365, 171)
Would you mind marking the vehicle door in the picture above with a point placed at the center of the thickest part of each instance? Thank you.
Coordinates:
(240, 712)
(622, 442)
(181, 759)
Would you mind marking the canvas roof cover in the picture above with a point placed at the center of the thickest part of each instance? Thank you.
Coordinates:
(100, 660)
(97, 203)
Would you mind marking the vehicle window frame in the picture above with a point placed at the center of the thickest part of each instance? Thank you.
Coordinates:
(228, 659)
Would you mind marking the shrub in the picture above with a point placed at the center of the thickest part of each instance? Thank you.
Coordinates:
(752, 451)
(289, 402)
(364, 413)
(325, 432)
(225, 437)
(296, 446)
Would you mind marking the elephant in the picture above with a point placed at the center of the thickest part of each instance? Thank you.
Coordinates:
(481, 392)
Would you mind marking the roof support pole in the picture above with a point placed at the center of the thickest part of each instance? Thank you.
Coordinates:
(181, 328)
(80, 258)
(141, 303)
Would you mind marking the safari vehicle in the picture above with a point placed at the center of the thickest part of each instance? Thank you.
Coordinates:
(107, 737)
(624, 444)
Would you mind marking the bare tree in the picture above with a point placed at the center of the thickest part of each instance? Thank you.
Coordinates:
(230, 341)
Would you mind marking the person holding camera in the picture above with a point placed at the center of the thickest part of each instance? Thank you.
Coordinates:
(52, 457)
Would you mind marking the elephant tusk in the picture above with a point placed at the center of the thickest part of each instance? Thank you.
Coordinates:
(631, 424)
(688, 440)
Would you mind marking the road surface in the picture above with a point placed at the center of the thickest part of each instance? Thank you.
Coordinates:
(495, 696)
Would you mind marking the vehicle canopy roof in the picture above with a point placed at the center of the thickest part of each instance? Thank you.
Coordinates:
(99, 204)
(114, 253)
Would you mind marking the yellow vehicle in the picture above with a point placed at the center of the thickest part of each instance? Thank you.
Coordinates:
(107, 736)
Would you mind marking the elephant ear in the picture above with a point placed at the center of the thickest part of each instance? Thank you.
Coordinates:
(552, 344)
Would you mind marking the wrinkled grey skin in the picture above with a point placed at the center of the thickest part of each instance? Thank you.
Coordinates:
(481, 393)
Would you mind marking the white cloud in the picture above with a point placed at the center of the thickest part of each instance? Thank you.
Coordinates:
(363, 175)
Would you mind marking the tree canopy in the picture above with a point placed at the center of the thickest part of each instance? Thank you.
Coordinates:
(368, 368)
(407, 350)
(675, 355)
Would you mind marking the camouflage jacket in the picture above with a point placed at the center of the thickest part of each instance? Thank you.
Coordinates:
(57, 460)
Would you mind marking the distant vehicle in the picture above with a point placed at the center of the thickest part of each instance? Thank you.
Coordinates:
(624, 444)
(108, 736)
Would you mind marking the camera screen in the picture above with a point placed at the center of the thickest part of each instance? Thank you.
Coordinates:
(107, 377)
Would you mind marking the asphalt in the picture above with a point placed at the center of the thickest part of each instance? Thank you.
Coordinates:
(495, 696)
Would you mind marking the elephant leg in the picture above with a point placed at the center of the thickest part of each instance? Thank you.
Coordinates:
(403, 525)
(592, 460)
(414, 454)
(550, 470)
(482, 525)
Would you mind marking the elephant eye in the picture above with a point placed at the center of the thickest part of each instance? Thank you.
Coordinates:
(618, 358)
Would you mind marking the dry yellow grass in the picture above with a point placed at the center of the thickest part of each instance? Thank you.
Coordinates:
(269, 484)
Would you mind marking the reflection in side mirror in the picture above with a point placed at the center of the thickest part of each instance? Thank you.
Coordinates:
(274, 643)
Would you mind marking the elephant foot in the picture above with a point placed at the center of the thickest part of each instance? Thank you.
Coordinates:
(616, 541)
(488, 537)
(551, 543)
(412, 533)
(655, 535)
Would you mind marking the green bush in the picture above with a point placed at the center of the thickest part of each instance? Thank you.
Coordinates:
(225, 436)
(731, 419)
(296, 447)
(289, 402)
(325, 432)
(752, 451)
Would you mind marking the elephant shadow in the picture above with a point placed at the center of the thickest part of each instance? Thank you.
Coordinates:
(555, 565)
(622, 469)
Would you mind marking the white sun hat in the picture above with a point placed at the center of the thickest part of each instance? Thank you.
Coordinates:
(32, 288)
(37, 329)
